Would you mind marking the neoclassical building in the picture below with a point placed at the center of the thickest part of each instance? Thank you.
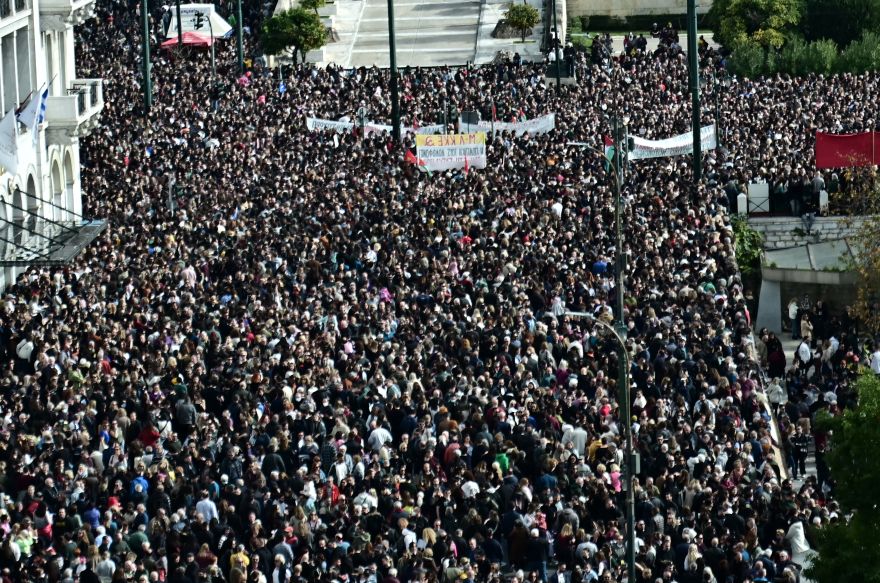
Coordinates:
(42, 202)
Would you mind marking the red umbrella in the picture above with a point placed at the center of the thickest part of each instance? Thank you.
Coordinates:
(191, 39)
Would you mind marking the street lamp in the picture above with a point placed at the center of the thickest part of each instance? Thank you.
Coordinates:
(395, 97)
(631, 461)
(720, 80)
(621, 146)
(556, 46)
(145, 48)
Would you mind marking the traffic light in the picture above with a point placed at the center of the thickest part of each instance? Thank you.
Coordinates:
(199, 20)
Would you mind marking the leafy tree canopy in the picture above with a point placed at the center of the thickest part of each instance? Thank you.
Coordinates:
(299, 29)
(523, 17)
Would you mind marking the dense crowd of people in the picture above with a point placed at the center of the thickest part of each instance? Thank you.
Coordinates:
(295, 357)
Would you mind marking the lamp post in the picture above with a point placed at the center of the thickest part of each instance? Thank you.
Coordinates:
(631, 466)
(721, 80)
(239, 36)
(694, 70)
(556, 45)
(395, 98)
(179, 25)
(631, 461)
(148, 83)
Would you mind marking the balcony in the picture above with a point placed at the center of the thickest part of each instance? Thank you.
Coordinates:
(75, 114)
(63, 14)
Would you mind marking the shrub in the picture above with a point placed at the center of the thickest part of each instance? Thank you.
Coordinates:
(861, 55)
(747, 59)
(822, 56)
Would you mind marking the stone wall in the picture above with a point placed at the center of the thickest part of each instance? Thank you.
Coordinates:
(783, 232)
(624, 8)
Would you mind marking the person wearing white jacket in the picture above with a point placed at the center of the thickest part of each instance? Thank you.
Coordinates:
(776, 394)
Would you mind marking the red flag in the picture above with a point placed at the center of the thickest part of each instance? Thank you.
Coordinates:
(494, 113)
(608, 140)
(412, 159)
(415, 124)
(467, 166)
(845, 150)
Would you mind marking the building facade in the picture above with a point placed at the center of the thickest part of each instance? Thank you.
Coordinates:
(37, 50)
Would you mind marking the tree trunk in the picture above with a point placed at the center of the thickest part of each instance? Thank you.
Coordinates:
(523, 34)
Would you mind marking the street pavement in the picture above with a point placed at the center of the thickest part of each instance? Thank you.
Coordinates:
(428, 33)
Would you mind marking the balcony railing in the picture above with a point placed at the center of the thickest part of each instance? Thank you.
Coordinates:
(76, 113)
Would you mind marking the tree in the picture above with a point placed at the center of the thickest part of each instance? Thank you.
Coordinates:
(523, 17)
(861, 198)
(850, 549)
(842, 21)
(296, 30)
(861, 55)
(764, 21)
(312, 4)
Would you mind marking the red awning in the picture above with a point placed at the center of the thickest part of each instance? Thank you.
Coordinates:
(190, 39)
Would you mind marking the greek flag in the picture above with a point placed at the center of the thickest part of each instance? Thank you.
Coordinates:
(35, 112)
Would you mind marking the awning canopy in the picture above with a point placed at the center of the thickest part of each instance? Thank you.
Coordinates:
(190, 39)
(835, 255)
(31, 239)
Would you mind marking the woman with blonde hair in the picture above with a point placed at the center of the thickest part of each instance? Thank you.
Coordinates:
(428, 539)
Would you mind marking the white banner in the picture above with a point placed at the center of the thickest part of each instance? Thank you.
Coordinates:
(675, 146)
(313, 123)
(369, 128)
(538, 125)
(445, 152)
(9, 143)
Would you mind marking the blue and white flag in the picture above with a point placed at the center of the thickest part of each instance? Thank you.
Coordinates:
(35, 111)
(282, 88)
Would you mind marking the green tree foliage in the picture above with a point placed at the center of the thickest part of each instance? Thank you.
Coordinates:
(312, 4)
(765, 22)
(749, 246)
(297, 31)
(747, 59)
(850, 550)
(842, 21)
(861, 55)
(800, 58)
(523, 17)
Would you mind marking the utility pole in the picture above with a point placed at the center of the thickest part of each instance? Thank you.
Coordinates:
(619, 148)
(631, 461)
(694, 70)
(239, 36)
(556, 45)
(179, 25)
(148, 83)
(624, 397)
(395, 98)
